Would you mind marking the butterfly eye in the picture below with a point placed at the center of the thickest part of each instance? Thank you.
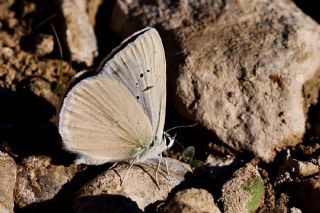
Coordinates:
(141, 75)
(138, 97)
(148, 70)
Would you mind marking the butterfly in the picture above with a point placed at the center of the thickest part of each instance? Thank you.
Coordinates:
(117, 112)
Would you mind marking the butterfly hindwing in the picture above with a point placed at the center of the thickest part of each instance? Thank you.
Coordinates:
(96, 122)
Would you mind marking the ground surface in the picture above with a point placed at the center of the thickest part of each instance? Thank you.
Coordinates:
(31, 84)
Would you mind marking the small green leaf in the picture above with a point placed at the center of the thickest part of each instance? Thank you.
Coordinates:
(255, 188)
(187, 154)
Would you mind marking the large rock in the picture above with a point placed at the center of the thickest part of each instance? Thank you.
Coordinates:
(292, 169)
(7, 181)
(79, 32)
(138, 190)
(237, 66)
(244, 192)
(192, 201)
(38, 180)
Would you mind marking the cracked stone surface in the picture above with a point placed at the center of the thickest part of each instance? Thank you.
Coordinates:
(38, 180)
(106, 194)
(240, 68)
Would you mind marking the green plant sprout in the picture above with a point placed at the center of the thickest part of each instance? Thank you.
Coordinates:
(188, 156)
(255, 188)
(60, 70)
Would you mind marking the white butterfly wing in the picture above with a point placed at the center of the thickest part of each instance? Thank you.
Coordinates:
(100, 119)
(113, 115)
(141, 67)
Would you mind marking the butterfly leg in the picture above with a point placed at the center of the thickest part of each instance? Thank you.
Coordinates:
(167, 167)
(131, 164)
(114, 165)
(160, 157)
(158, 167)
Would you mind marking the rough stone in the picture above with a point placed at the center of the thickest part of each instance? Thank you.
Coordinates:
(237, 67)
(244, 192)
(138, 190)
(293, 169)
(39, 180)
(80, 35)
(304, 169)
(42, 88)
(7, 181)
(295, 210)
(192, 201)
(18, 66)
(44, 44)
(219, 162)
(92, 10)
(7, 53)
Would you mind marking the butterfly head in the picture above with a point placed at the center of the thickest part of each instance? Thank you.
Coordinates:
(169, 140)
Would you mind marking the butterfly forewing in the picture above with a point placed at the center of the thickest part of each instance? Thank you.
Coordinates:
(141, 67)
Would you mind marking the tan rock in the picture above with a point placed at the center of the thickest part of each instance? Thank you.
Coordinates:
(7, 53)
(44, 44)
(192, 201)
(42, 88)
(80, 35)
(137, 191)
(244, 192)
(295, 210)
(38, 180)
(293, 169)
(237, 66)
(304, 168)
(7, 181)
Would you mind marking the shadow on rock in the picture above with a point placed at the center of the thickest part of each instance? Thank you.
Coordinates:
(87, 204)
(210, 178)
(25, 126)
(106, 203)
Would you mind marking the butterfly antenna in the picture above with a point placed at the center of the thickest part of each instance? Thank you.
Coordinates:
(177, 127)
(174, 137)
